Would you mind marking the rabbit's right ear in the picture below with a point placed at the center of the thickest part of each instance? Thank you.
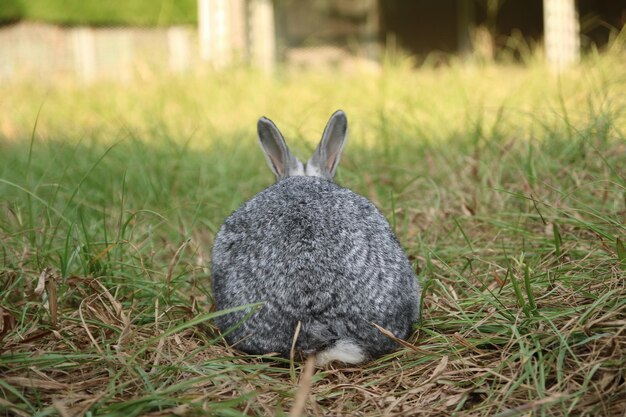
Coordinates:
(281, 161)
(325, 160)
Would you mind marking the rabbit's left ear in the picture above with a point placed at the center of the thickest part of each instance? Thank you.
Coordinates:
(324, 161)
(279, 158)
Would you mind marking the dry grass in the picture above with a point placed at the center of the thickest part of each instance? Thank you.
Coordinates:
(565, 358)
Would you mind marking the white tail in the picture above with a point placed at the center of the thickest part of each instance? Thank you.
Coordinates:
(345, 351)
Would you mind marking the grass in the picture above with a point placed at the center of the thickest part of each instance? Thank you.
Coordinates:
(505, 185)
(110, 12)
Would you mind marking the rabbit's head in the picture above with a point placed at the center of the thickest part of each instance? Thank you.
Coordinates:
(325, 159)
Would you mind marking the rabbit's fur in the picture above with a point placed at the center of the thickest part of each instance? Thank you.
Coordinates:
(315, 253)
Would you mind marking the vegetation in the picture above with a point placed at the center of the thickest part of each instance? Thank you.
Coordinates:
(101, 13)
(506, 186)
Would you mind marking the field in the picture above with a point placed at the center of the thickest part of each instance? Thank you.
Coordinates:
(505, 185)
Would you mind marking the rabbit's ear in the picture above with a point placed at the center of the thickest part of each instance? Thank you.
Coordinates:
(278, 156)
(324, 161)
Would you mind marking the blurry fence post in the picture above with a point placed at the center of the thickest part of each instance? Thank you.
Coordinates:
(262, 35)
(238, 29)
(213, 31)
(178, 45)
(370, 30)
(83, 45)
(561, 33)
(204, 29)
(465, 23)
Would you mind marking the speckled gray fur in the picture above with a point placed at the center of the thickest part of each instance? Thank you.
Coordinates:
(317, 253)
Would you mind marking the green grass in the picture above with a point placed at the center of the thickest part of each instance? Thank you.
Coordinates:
(101, 13)
(505, 185)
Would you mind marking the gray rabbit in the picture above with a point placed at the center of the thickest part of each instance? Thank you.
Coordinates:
(315, 253)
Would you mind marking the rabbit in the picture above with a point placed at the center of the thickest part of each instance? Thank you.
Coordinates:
(313, 253)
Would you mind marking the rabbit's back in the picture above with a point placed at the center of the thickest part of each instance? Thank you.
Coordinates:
(318, 254)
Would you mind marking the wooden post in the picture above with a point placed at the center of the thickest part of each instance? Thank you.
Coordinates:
(561, 33)
(222, 39)
(262, 35)
(83, 45)
(370, 31)
(238, 30)
(204, 29)
(465, 21)
(213, 31)
(178, 45)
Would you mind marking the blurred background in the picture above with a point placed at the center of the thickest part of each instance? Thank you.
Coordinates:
(122, 39)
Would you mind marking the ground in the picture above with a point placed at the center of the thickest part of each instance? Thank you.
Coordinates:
(504, 183)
